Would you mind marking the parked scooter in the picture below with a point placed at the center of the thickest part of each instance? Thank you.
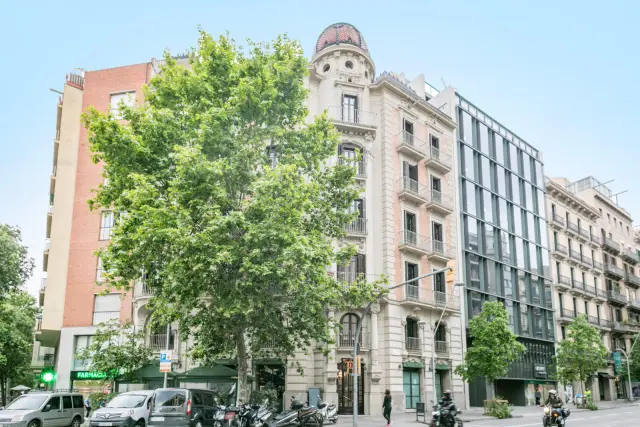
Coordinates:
(300, 415)
(329, 412)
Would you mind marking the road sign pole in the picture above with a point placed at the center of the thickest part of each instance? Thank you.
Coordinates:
(164, 384)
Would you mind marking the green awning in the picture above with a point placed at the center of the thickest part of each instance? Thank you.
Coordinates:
(150, 372)
(268, 361)
(414, 365)
(217, 371)
(442, 367)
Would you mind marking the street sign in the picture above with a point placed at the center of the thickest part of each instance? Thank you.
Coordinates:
(617, 362)
(165, 361)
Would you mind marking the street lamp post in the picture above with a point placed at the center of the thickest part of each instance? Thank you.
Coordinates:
(433, 342)
(628, 371)
(357, 337)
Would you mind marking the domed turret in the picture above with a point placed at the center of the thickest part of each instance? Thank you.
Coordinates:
(341, 33)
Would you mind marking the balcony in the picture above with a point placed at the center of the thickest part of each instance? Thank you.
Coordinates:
(564, 283)
(438, 251)
(557, 221)
(158, 342)
(413, 344)
(412, 242)
(587, 262)
(347, 339)
(574, 257)
(594, 241)
(597, 267)
(634, 305)
(620, 327)
(442, 349)
(440, 203)
(358, 227)
(360, 165)
(43, 288)
(45, 255)
(629, 256)
(616, 297)
(350, 278)
(410, 189)
(566, 316)
(142, 290)
(600, 296)
(437, 160)
(590, 291)
(52, 180)
(104, 316)
(613, 271)
(436, 299)
(349, 118)
(631, 280)
(577, 288)
(573, 229)
(594, 320)
(411, 146)
(560, 251)
(610, 246)
(584, 235)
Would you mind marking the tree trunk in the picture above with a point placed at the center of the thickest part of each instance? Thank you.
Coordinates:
(243, 382)
(3, 387)
(491, 390)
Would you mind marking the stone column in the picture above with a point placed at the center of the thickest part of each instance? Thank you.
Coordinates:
(375, 389)
(330, 368)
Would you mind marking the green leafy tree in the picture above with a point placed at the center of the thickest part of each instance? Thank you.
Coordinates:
(234, 238)
(581, 354)
(494, 345)
(118, 350)
(15, 265)
(17, 319)
(634, 357)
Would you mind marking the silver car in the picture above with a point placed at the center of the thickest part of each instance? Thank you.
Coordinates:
(125, 410)
(50, 409)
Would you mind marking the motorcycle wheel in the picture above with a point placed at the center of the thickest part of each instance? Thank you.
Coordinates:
(459, 423)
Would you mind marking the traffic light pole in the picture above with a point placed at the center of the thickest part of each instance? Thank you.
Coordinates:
(357, 337)
(164, 383)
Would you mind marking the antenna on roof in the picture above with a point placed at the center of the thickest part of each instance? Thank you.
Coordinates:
(604, 183)
(616, 196)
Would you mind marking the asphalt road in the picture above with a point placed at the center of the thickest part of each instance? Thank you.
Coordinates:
(618, 417)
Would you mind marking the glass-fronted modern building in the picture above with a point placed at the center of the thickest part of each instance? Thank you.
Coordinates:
(505, 254)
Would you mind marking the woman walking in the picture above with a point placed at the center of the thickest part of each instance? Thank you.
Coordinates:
(386, 407)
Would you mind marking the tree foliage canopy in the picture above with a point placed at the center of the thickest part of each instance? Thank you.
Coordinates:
(118, 350)
(235, 246)
(581, 353)
(15, 264)
(494, 345)
(17, 319)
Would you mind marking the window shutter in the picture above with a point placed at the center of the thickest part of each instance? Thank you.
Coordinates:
(405, 168)
(362, 209)
(109, 302)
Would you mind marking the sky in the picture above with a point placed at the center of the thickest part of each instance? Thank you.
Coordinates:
(564, 76)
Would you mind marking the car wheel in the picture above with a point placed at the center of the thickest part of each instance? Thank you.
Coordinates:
(33, 423)
(77, 422)
(198, 423)
(140, 423)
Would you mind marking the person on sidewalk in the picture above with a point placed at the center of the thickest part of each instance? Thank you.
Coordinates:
(87, 406)
(538, 396)
(386, 407)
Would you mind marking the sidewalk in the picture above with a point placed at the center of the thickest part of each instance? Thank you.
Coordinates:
(468, 415)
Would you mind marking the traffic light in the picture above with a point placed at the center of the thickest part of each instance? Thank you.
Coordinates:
(450, 275)
(359, 365)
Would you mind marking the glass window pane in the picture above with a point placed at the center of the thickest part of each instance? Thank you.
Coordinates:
(533, 258)
(529, 197)
(492, 285)
(513, 158)
(517, 221)
(535, 291)
(486, 171)
(526, 164)
(472, 233)
(524, 320)
(531, 229)
(537, 322)
(551, 332)
(505, 247)
(474, 271)
(539, 174)
(541, 227)
(476, 303)
(490, 241)
(520, 253)
(502, 181)
(510, 314)
(499, 148)
(469, 169)
(504, 219)
(542, 209)
(488, 206)
(523, 292)
(467, 128)
(484, 139)
(470, 198)
(546, 263)
(507, 281)
(515, 189)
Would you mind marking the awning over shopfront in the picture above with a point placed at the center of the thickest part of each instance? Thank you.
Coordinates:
(442, 367)
(414, 365)
(210, 373)
(149, 373)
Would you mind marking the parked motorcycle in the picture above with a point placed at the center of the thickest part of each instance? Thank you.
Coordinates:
(329, 412)
(253, 415)
(442, 417)
(554, 416)
(299, 415)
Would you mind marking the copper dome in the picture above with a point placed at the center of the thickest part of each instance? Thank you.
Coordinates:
(341, 33)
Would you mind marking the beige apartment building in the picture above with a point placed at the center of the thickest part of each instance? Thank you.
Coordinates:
(595, 270)
(404, 151)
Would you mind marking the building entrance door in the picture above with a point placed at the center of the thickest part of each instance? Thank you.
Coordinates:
(345, 387)
(411, 387)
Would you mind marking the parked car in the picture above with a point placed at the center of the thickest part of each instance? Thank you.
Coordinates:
(46, 409)
(125, 410)
(182, 407)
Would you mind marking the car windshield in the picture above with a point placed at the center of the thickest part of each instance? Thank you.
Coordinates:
(27, 402)
(169, 398)
(127, 401)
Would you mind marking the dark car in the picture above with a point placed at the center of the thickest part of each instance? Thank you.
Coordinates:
(182, 407)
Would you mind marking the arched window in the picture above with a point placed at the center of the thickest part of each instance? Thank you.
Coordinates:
(349, 324)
